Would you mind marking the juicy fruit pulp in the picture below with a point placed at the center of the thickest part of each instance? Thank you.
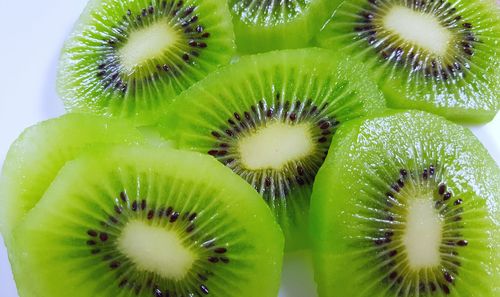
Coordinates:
(41, 151)
(449, 66)
(405, 205)
(130, 58)
(270, 118)
(262, 26)
(149, 222)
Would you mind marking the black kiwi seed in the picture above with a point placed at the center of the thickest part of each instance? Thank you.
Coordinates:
(102, 241)
(110, 72)
(387, 240)
(369, 27)
(271, 183)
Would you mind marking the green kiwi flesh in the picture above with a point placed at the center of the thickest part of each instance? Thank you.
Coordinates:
(36, 157)
(407, 204)
(148, 222)
(450, 66)
(264, 25)
(270, 118)
(130, 58)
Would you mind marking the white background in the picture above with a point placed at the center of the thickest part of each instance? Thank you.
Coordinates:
(32, 33)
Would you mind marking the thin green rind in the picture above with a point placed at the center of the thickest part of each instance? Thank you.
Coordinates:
(304, 73)
(36, 157)
(41, 255)
(473, 100)
(379, 142)
(78, 64)
(299, 32)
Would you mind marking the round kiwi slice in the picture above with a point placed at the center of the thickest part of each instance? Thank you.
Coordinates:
(130, 58)
(450, 65)
(270, 118)
(149, 222)
(264, 25)
(407, 204)
(36, 157)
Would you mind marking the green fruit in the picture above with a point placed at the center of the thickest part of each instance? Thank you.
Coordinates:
(263, 25)
(145, 221)
(407, 204)
(270, 118)
(449, 66)
(130, 58)
(36, 157)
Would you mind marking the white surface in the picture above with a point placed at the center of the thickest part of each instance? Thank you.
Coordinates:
(28, 56)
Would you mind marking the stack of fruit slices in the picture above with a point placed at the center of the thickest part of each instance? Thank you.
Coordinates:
(184, 169)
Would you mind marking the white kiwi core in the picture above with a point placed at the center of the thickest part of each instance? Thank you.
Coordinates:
(274, 145)
(147, 43)
(422, 29)
(423, 233)
(156, 250)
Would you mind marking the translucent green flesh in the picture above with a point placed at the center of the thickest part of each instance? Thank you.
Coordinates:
(360, 229)
(460, 84)
(269, 13)
(75, 229)
(41, 151)
(262, 26)
(92, 78)
(293, 87)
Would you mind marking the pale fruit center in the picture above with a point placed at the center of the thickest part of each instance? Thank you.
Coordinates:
(420, 28)
(275, 145)
(147, 43)
(423, 234)
(156, 250)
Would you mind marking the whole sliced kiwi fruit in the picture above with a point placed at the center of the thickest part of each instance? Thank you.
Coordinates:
(407, 204)
(450, 65)
(130, 58)
(264, 25)
(270, 118)
(36, 157)
(149, 222)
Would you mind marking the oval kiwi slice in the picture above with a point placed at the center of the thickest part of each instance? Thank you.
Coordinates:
(407, 204)
(130, 58)
(263, 25)
(36, 157)
(450, 65)
(149, 222)
(270, 118)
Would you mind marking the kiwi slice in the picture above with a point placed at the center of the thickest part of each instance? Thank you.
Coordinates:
(130, 58)
(150, 222)
(450, 65)
(407, 204)
(264, 25)
(270, 118)
(36, 157)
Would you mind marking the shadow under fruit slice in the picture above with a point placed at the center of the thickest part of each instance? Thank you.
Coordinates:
(407, 204)
(437, 56)
(130, 58)
(270, 118)
(263, 25)
(36, 157)
(149, 222)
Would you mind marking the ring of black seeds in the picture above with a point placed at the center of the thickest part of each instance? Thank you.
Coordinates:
(271, 183)
(185, 20)
(369, 26)
(387, 241)
(102, 245)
